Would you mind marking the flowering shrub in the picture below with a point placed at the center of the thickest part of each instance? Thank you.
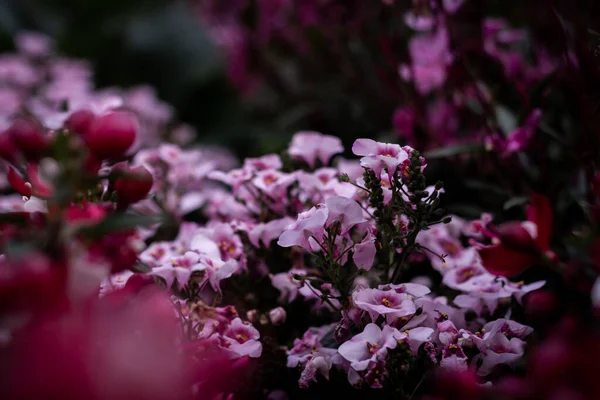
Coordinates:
(137, 265)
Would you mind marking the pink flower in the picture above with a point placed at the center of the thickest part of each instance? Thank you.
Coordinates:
(369, 346)
(414, 289)
(217, 270)
(345, 211)
(302, 233)
(460, 278)
(242, 339)
(309, 373)
(454, 358)
(497, 349)
(414, 337)
(287, 286)
(379, 156)
(430, 55)
(179, 269)
(390, 304)
(265, 233)
(364, 252)
(313, 146)
(277, 316)
(269, 161)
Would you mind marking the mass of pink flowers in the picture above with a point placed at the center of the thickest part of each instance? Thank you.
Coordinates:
(138, 265)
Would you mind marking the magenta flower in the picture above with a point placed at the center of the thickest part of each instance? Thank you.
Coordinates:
(369, 346)
(390, 304)
(519, 138)
(241, 339)
(302, 233)
(313, 146)
(379, 156)
(404, 122)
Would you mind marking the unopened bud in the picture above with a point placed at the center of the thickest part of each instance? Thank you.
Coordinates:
(277, 316)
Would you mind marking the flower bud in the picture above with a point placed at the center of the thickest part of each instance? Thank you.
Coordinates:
(80, 121)
(541, 305)
(252, 316)
(29, 137)
(7, 147)
(112, 134)
(516, 235)
(133, 186)
(277, 316)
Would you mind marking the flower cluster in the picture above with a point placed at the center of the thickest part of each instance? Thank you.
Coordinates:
(135, 265)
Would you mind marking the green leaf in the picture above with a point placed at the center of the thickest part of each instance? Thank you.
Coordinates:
(515, 201)
(506, 119)
(485, 186)
(455, 150)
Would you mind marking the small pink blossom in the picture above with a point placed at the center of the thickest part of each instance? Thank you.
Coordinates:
(369, 346)
(313, 146)
(241, 339)
(414, 337)
(390, 304)
(379, 156)
(345, 211)
(302, 233)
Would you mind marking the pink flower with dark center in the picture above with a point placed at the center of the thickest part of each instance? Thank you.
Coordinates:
(414, 337)
(241, 339)
(179, 268)
(369, 346)
(390, 304)
(379, 156)
(454, 358)
(460, 278)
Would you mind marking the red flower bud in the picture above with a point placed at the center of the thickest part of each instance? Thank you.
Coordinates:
(28, 136)
(80, 121)
(133, 186)
(541, 305)
(7, 147)
(514, 235)
(112, 134)
(17, 182)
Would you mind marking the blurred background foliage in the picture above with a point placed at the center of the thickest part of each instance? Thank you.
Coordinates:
(129, 42)
(342, 88)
